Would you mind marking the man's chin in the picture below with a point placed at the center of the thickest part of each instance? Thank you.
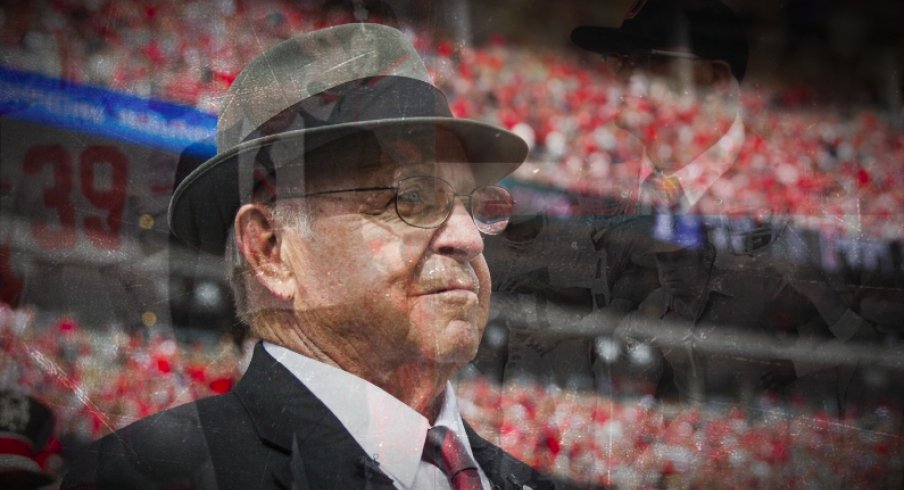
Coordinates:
(450, 327)
(457, 344)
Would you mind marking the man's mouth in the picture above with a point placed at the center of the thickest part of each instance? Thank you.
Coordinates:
(444, 278)
(460, 284)
(453, 286)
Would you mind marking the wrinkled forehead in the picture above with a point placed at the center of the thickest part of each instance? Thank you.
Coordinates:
(379, 158)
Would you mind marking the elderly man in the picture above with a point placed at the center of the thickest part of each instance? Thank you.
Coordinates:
(680, 64)
(350, 204)
(26, 426)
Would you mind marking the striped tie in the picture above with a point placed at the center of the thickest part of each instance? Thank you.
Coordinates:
(445, 451)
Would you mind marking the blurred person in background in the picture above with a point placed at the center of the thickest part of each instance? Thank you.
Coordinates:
(678, 65)
(720, 332)
(26, 427)
(863, 311)
(545, 282)
(681, 64)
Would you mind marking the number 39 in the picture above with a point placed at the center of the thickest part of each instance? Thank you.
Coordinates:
(58, 196)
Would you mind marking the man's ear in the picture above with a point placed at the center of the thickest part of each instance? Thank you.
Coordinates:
(723, 87)
(258, 238)
(721, 73)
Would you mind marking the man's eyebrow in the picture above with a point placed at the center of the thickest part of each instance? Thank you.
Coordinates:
(414, 170)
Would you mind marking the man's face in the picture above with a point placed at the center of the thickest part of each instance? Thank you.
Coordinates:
(675, 103)
(379, 289)
(682, 272)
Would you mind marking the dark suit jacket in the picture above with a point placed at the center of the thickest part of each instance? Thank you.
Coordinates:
(269, 432)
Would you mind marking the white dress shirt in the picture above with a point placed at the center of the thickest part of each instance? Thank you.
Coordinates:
(388, 430)
(699, 175)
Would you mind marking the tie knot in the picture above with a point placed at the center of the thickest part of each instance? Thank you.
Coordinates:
(446, 451)
(662, 192)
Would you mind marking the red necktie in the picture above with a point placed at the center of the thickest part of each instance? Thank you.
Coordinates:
(444, 450)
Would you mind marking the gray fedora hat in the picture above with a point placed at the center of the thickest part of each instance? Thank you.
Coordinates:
(309, 91)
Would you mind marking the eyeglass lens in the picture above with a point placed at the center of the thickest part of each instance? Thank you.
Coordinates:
(658, 63)
(427, 202)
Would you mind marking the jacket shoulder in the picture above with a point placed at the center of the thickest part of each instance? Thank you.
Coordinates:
(172, 447)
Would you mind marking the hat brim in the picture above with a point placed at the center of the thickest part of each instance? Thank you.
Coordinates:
(204, 204)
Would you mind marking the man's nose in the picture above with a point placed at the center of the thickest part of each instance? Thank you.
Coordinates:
(459, 236)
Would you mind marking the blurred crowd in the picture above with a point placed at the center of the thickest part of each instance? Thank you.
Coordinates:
(99, 380)
(600, 441)
(561, 401)
(838, 165)
(96, 381)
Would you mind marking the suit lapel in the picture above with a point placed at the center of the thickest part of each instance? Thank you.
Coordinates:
(503, 471)
(319, 451)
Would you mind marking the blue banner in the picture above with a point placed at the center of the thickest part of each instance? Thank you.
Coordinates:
(177, 128)
(162, 125)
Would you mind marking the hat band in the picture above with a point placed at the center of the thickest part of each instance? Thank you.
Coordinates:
(366, 99)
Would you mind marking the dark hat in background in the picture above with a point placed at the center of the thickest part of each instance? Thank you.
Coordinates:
(313, 90)
(709, 28)
(25, 427)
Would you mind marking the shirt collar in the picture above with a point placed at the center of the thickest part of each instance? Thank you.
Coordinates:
(386, 428)
(699, 175)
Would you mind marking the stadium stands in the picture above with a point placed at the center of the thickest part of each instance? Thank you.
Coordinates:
(832, 164)
(839, 173)
(97, 381)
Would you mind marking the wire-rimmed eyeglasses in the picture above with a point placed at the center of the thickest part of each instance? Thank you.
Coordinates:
(646, 59)
(427, 202)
